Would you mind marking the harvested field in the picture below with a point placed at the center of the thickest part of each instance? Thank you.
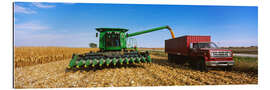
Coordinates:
(52, 74)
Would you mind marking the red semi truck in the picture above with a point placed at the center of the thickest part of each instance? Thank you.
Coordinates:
(199, 52)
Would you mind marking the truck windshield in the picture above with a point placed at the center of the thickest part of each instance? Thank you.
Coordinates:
(205, 45)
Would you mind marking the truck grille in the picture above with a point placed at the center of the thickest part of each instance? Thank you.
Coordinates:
(220, 54)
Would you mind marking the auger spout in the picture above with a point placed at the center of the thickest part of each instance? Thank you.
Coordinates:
(151, 30)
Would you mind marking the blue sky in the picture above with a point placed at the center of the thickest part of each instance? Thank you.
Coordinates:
(73, 24)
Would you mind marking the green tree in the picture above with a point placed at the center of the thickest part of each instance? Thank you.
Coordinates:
(92, 45)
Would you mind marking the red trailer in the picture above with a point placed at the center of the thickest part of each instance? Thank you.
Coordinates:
(198, 51)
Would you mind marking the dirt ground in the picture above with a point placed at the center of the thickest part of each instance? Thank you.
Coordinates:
(158, 73)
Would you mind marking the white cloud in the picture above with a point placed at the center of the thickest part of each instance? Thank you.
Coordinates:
(40, 5)
(20, 9)
(30, 26)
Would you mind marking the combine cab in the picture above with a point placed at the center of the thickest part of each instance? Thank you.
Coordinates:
(113, 50)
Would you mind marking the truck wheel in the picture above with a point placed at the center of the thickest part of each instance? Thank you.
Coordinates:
(182, 60)
(193, 64)
(228, 68)
(170, 57)
(202, 65)
(175, 59)
(179, 59)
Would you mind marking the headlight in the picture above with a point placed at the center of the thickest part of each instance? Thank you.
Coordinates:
(229, 54)
(211, 54)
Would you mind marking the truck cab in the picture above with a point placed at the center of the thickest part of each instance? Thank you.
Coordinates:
(213, 55)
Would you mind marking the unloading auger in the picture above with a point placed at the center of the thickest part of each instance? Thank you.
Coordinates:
(113, 50)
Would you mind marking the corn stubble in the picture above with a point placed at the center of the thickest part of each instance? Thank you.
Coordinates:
(51, 73)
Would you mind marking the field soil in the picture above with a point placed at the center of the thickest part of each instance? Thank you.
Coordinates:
(159, 73)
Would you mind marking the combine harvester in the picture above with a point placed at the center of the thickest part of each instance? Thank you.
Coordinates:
(113, 50)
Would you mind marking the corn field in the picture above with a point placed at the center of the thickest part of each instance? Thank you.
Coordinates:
(25, 56)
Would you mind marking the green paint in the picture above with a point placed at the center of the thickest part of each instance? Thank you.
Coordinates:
(109, 37)
(101, 62)
(114, 61)
(147, 31)
(108, 62)
(143, 59)
(73, 61)
(149, 59)
(80, 63)
(121, 61)
(94, 62)
(126, 60)
(87, 62)
(114, 39)
(132, 60)
(138, 59)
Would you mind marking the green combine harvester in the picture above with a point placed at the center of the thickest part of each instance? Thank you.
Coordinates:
(113, 50)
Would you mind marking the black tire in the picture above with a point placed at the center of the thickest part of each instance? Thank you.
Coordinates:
(192, 64)
(202, 65)
(170, 58)
(228, 68)
(176, 59)
(173, 58)
(182, 59)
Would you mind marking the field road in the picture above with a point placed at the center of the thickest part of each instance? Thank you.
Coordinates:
(158, 73)
(245, 55)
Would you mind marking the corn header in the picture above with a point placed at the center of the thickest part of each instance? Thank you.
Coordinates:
(113, 50)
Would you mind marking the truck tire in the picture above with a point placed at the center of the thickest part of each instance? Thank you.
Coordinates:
(202, 65)
(228, 68)
(170, 58)
(183, 60)
(192, 64)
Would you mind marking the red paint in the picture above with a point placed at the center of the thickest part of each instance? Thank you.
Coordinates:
(181, 46)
